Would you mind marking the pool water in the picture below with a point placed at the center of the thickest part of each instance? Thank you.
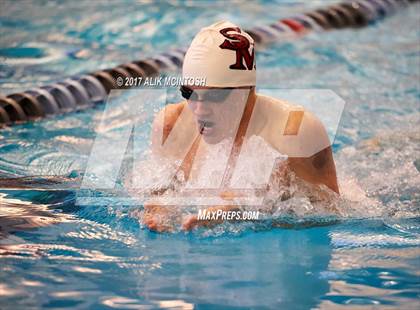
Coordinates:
(55, 253)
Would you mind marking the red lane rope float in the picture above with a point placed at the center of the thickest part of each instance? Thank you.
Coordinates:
(295, 25)
(87, 90)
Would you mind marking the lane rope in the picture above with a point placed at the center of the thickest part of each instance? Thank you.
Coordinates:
(84, 91)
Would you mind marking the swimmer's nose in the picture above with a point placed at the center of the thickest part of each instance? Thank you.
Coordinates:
(201, 109)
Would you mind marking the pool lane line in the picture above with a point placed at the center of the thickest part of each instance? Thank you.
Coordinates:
(84, 91)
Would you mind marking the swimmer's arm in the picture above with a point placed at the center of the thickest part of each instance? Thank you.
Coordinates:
(156, 216)
(318, 166)
(317, 169)
(162, 126)
(309, 150)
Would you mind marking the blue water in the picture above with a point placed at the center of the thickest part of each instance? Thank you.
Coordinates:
(55, 253)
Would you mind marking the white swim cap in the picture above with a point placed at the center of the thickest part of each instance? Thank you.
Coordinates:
(223, 55)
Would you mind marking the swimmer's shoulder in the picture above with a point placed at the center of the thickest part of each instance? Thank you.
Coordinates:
(167, 117)
(170, 127)
(290, 128)
(275, 112)
(172, 111)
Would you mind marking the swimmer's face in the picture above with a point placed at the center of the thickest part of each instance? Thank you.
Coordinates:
(217, 111)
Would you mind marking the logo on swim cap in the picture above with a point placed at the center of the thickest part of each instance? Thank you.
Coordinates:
(240, 45)
(223, 55)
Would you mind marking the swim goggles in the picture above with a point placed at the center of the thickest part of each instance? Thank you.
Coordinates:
(206, 95)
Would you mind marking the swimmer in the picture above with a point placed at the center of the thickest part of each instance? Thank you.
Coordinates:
(228, 107)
